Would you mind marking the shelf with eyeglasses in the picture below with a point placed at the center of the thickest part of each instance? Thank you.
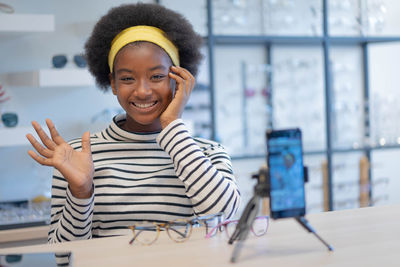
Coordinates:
(280, 39)
(16, 136)
(18, 24)
(321, 152)
(24, 213)
(65, 77)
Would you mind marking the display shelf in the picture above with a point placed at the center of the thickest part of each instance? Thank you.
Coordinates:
(365, 148)
(14, 24)
(247, 39)
(16, 136)
(319, 152)
(49, 78)
(309, 40)
(306, 153)
(363, 39)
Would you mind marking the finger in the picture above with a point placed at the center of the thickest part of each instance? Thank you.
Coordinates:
(180, 82)
(39, 148)
(183, 85)
(186, 75)
(86, 143)
(39, 159)
(43, 136)
(54, 133)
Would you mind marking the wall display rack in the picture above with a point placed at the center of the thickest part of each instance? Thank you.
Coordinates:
(326, 41)
(318, 37)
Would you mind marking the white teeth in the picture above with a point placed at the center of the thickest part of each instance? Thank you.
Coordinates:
(147, 105)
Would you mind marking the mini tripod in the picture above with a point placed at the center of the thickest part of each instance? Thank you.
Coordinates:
(261, 190)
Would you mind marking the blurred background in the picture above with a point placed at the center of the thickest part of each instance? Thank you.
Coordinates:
(326, 66)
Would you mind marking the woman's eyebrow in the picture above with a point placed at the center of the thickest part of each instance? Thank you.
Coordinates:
(162, 67)
(123, 70)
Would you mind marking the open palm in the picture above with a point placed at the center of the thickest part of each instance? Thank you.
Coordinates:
(76, 166)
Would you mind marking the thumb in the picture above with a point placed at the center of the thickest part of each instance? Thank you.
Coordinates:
(86, 142)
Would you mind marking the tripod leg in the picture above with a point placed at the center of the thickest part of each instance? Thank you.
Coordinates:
(245, 221)
(243, 226)
(236, 250)
(307, 226)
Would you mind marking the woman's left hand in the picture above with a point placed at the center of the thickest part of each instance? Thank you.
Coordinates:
(185, 82)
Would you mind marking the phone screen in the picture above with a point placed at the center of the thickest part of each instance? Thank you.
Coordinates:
(286, 171)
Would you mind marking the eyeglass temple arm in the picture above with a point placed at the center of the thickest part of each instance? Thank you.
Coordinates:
(215, 228)
(303, 222)
(133, 238)
(178, 232)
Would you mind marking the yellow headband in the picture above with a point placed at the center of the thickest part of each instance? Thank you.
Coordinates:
(142, 33)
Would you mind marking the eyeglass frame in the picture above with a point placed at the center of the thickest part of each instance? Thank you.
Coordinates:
(79, 60)
(9, 119)
(198, 221)
(224, 224)
(4, 8)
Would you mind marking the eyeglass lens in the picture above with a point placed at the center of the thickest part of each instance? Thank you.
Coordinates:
(146, 235)
(59, 61)
(9, 119)
(230, 228)
(13, 258)
(179, 232)
(80, 61)
(260, 226)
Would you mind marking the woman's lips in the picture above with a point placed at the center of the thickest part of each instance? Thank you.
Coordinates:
(144, 106)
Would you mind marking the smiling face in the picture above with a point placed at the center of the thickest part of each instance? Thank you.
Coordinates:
(142, 86)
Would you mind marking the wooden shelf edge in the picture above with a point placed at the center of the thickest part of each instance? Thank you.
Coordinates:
(21, 234)
(16, 136)
(66, 77)
(24, 23)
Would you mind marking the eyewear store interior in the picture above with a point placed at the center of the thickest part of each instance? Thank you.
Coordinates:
(326, 67)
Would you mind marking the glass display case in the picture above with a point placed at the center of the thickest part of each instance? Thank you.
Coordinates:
(313, 74)
(241, 97)
(307, 64)
(297, 92)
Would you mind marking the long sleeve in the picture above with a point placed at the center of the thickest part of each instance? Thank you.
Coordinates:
(205, 169)
(71, 218)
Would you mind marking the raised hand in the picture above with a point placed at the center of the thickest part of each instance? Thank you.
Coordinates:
(76, 166)
(184, 86)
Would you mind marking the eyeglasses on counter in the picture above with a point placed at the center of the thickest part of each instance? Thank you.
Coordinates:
(147, 232)
(180, 230)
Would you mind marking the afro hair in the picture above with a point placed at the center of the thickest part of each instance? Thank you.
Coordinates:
(177, 28)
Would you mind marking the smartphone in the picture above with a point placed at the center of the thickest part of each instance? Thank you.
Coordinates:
(286, 172)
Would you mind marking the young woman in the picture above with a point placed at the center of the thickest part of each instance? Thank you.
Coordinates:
(145, 165)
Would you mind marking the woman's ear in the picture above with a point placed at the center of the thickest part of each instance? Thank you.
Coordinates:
(112, 83)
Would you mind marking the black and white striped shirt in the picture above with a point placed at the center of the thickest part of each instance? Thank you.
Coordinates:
(144, 176)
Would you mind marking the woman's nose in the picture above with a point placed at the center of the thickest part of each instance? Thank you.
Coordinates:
(143, 90)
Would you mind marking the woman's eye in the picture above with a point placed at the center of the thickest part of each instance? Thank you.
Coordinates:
(126, 79)
(157, 77)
